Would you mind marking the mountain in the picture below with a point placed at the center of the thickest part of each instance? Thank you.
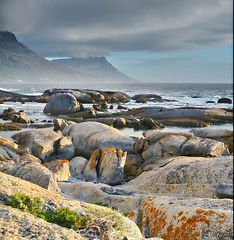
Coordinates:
(20, 64)
(95, 65)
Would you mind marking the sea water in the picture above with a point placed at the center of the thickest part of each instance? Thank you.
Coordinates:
(183, 95)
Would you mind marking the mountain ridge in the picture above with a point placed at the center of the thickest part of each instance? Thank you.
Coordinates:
(95, 65)
(20, 64)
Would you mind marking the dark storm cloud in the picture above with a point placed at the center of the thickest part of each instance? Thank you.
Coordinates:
(98, 27)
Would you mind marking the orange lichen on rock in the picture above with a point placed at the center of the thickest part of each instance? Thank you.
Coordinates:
(191, 223)
(59, 167)
(92, 161)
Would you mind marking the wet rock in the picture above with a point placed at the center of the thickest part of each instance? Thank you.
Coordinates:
(225, 100)
(111, 166)
(61, 103)
(101, 107)
(119, 123)
(143, 98)
(60, 168)
(203, 114)
(10, 127)
(149, 123)
(186, 123)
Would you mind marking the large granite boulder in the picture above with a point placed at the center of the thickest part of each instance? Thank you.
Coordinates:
(88, 136)
(45, 144)
(62, 103)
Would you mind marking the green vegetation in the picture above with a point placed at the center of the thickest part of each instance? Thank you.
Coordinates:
(63, 217)
(99, 220)
(66, 218)
(26, 203)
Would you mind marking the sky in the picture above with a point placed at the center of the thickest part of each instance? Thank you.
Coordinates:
(150, 40)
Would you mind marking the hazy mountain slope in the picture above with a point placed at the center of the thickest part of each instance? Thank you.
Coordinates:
(95, 65)
(17, 62)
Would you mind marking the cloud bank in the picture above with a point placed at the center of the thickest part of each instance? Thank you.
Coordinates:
(98, 27)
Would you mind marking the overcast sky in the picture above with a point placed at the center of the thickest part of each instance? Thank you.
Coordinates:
(149, 40)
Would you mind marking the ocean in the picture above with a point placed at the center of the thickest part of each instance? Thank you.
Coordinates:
(184, 95)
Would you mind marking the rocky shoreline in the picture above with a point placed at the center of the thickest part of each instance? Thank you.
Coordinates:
(172, 185)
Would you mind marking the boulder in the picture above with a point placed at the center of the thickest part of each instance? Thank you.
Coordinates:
(203, 147)
(59, 124)
(225, 100)
(88, 136)
(90, 172)
(45, 144)
(65, 148)
(33, 172)
(150, 123)
(219, 134)
(169, 145)
(153, 136)
(119, 123)
(111, 166)
(132, 164)
(60, 168)
(61, 103)
(40, 142)
(142, 98)
(77, 166)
